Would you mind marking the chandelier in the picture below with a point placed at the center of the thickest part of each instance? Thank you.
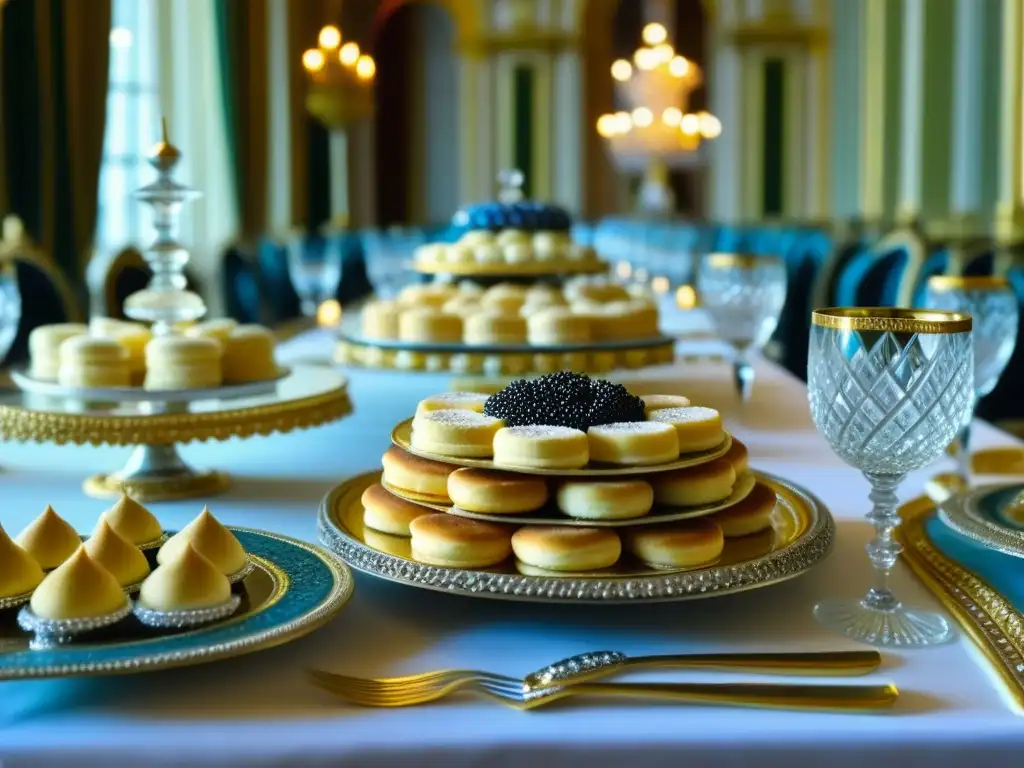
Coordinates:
(340, 80)
(655, 88)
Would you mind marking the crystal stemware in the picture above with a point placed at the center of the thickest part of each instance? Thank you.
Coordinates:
(10, 307)
(744, 296)
(388, 255)
(992, 304)
(889, 389)
(315, 272)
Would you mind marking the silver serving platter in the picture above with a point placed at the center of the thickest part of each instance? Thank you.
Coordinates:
(801, 535)
(396, 345)
(34, 386)
(992, 515)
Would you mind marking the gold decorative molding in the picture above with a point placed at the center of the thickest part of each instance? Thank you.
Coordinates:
(521, 40)
(777, 32)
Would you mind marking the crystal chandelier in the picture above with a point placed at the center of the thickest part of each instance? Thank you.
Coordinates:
(340, 80)
(655, 131)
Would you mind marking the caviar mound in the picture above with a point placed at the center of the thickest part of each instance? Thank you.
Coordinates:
(564, 399)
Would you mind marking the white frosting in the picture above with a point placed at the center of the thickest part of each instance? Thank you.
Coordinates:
(460, 418)
(678, 415)
(545, 432)
(631, 428)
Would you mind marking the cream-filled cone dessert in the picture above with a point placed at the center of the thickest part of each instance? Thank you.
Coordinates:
(188, 581)
(19, 571)
(90, 361)
(123, 559)
(249, 355)
(218, 329)
(133, 521)
(211, 539)
(181, 362)
(49, 539)
(81, 588)
(44, 347)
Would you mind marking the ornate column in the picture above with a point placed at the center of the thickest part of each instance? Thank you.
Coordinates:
(845, 109)
(1009, 221)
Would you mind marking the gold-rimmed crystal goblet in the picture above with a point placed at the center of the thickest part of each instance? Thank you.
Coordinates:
(744, 295)
(993, 306)
(889, 389)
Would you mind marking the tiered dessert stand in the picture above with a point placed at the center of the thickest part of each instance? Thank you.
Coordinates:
(502, 359)
(155, 422)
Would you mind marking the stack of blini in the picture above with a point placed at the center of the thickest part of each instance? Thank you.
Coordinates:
(608, 518)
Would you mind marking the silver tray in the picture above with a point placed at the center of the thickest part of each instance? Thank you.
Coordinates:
(647, 342)
(801, 535)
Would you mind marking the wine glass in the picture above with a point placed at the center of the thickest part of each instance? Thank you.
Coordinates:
(10, 307)
(315, 272)
(388, 254)
(744, 295)
(993, 305)
(889, 389)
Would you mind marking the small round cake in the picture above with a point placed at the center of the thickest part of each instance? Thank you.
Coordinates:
(380, 320)
(455, 433)
(180, 362)
(654, 403)
(694, 486)
(89, 361)
(700, 429)
(566, 548)
(494, 326)
(44, 347)
(676, 545)
(739, 457)
(498, 493)
(557, 325)
(752, 515)
(219, 329)
(633, 443)
(457, 542)
(462, 305)
(541, 447)
(453, 401)
(249, 355)
(605, 499)
(387, 513)
(132, 336)
(429, 326)
(600, 291)
(506, 297)
(407, 472)
(431, 296)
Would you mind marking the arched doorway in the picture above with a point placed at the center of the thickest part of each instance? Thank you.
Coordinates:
(417, 120)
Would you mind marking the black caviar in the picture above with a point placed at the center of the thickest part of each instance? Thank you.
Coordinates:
(564, 399)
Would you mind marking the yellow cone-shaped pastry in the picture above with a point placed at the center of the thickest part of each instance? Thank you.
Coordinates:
(133, 521)
(49, 539)
(119, 556)
(187, 581)
(81, 588)
(19, 572)
(211, 539)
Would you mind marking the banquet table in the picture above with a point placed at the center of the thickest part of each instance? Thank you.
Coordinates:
(259, 710)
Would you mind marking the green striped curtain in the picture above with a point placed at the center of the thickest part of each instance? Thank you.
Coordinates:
(523, 84)
(774, 137)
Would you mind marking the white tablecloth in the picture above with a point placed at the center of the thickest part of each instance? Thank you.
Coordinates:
(259, 711)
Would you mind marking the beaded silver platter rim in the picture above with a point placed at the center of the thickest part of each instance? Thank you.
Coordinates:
(301, 587)
(976, 515)
(807, 549)
(395, 345)
(401, 436)
(743, 488)
(28, 383)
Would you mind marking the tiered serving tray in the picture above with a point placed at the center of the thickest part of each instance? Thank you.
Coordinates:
(293, 589)
(307, 396)
(503, 271)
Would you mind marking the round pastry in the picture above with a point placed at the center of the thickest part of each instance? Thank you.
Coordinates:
(133, 521)
(543, 294)
(462, 305)
(80, 588)
(633, 443)
(694, 486)
(494, 326)
(426, 325)
(218, 330)
(676, 545)
(739, 457)
(132, 336)
(456, 542)
(179, 362)
(431, 296)
(453, 401)
(49, 539)
(599, 291)
(380, 320)
(408, 472)
(638, 319)
(89, 361)
(487, 253)
(541, 447)
(517, 253)
(550, 245)
(19, 571)
(498, 493)
(455, 433)
(654, 403)
(752, 515)
(566, 548)
(387, 513)
(430, 253)
(44, 347)
(511, 236)
(211, 539)
(504, 296)
(249, 355)
(476, 237)
(123, 559)
(188, 581)
(700, 429)
(605, 499)
(557, 325)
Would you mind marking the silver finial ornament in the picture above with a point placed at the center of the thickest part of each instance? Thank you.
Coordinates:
(510, 185)
(166, 300)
